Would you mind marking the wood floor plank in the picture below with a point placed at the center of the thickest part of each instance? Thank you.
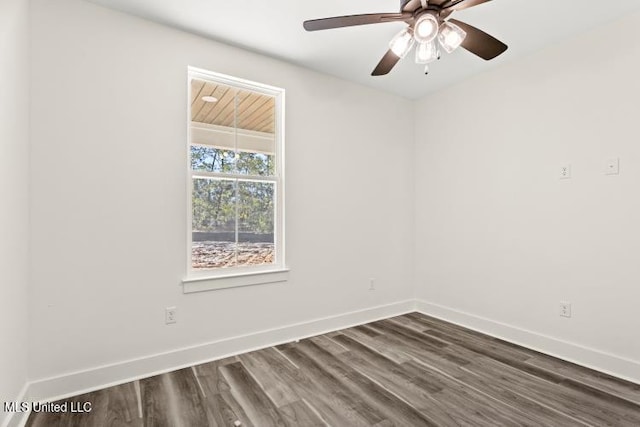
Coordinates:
(278, 391)
(173, 399)
(419, 344)
(450, 329)
(491, 351)
(415, 390)
(503, 391)
(384, 370)
(571, 402)
(487, 345)
(96, 417)
(507, 358)
(332, 334)
(367, 330)
(548, 375)
(440, 357)
(42, 419)
(423, 340)
(299, 413)
(408, 370)
(210, 378)
(246, 390)
(606, 383)
(222, 407)
(114, 406)
(223, 410)
(122, 408)
(329, 344)
(333, 408)
(371, 393)
(349, 409)
(408, 323)
(471, 406)
(377, 343)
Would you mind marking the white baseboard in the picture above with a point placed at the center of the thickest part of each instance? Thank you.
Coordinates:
(571, 352)
(63, 386)
(18, 419)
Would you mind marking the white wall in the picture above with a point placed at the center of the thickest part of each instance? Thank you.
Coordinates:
(499, 236)
(14, 186)
(108, 192)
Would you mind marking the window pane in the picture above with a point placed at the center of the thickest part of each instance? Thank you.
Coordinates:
(254, 164)
(212, 103)
(255, 124)
(214, 223)
(256, 112)
(256, 223)
(212, 159)
(213, 126)
(232, 130)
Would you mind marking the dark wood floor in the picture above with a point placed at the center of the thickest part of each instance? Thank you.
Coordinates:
(410, 370)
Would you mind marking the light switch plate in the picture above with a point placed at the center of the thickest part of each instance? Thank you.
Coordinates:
(565, 171)
(613, 167)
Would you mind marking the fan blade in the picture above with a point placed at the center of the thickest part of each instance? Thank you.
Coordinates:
(480, 43)
(455, 5)
(352, 20)
(411, 6)
(444, 13)
(388, 61)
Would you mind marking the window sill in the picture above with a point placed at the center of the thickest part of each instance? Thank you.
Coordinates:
(202, 284)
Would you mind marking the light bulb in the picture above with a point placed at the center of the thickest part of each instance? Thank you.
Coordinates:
(451, 36)
(426, 28)
(426, 53)
(402, 43)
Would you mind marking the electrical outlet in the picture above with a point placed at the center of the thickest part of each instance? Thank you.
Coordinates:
(565, 309)
(613, 167)
(372, 284)
(170, 315)
(565, 171)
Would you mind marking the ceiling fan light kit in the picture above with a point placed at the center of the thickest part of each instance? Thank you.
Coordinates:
(427, 53)
(402, 42)
(426, 28)
(427, 21)
(451, 36)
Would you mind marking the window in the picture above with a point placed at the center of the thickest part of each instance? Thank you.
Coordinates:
(235, 182)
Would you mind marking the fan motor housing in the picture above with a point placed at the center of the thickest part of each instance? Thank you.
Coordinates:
(402, 3)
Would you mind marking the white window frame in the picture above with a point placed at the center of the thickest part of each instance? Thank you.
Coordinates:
(222, 278)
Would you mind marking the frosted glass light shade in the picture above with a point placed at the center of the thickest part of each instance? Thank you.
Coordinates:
(402, 43)
(451, 36)
(426, 52)
(426, 28)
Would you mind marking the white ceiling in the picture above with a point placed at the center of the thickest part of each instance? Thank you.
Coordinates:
(274, 28)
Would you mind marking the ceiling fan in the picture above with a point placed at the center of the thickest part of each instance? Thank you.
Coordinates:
(427, 22)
